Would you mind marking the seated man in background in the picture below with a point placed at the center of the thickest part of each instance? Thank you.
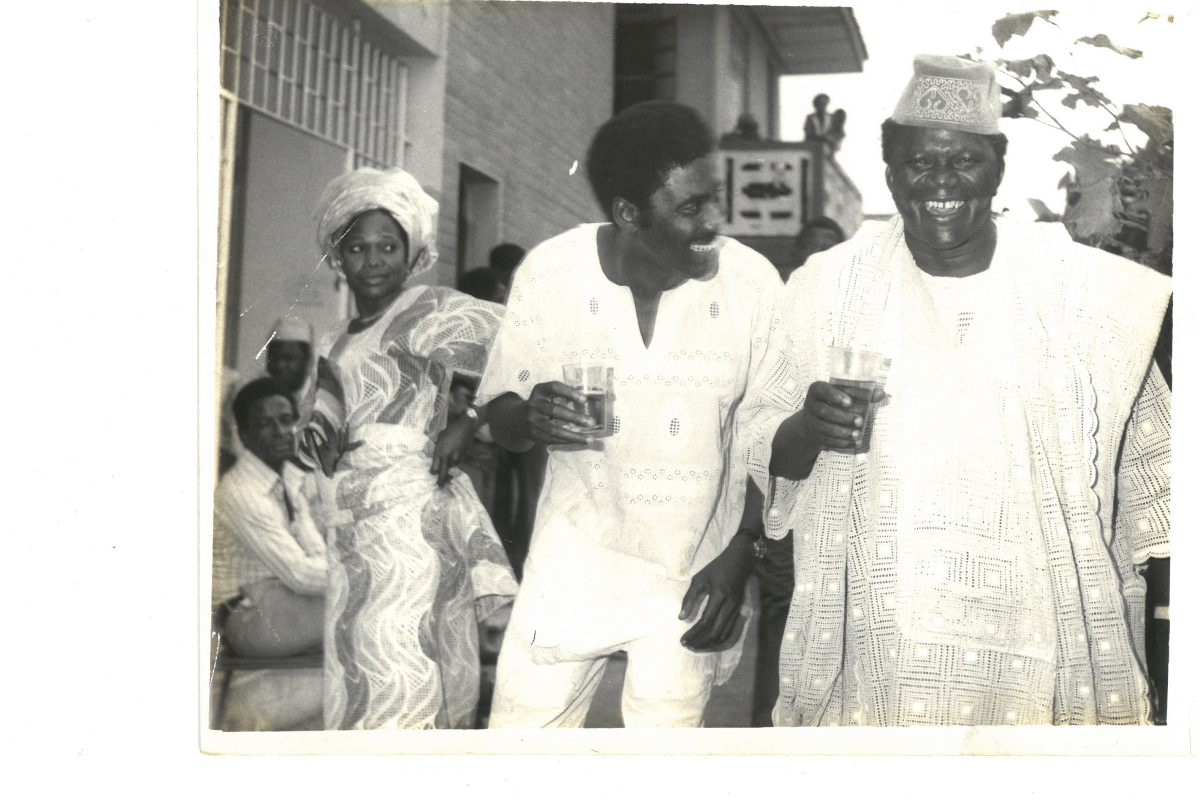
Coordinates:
(268, 566)
(289, 353)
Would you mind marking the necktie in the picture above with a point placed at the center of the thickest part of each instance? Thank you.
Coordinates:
(281, 491)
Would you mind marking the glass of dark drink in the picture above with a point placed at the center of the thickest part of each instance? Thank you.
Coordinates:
(595, 380)
(858, 372)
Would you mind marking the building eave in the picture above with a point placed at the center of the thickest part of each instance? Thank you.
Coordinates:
(812, 40)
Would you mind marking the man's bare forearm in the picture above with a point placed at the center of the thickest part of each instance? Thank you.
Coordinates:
(791, 459)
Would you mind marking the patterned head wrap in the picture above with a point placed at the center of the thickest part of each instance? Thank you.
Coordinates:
(951, 92)
(393, 191)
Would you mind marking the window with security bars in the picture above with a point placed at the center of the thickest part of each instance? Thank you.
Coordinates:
(644, 63)
(301, 65)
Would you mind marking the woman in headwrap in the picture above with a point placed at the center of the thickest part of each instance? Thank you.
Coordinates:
(414, 560)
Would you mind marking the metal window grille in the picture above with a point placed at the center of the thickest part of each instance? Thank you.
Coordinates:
(301, 65)
(644, 62)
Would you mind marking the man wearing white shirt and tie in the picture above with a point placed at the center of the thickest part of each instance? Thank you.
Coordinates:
(269, 566)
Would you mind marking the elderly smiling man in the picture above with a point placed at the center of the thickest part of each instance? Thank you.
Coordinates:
(967, 550)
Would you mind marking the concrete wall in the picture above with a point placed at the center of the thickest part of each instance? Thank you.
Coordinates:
(527, 85)
(706, 75)
(279, 269)
(418, 32)
(425, 122)
(421, 21)
(840, 199)
(760, 95)
(701, 58)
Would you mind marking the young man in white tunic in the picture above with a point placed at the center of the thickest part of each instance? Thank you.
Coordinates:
(636, 545)
(974, 560)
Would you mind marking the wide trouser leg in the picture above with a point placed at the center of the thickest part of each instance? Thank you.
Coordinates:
(274, 700)
(666, 685)
(532, 695)
(275, 622)
(775, 582)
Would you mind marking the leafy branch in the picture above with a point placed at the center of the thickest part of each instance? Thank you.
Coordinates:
(1118, 197)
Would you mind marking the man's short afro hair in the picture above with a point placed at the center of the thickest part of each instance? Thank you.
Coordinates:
(252, 393)
(632, 153)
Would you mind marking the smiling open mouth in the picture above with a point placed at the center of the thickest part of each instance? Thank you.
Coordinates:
(704, 247)
(942, 208)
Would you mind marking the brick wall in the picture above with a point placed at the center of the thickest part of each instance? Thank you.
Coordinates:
(527, 85)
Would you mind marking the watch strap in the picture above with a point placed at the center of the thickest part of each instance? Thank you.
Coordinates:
(758, 541)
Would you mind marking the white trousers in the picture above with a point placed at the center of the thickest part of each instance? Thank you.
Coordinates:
(666, 685)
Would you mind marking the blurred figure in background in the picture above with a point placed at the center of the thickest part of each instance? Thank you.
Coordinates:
(484, 283)
(290, 358)
(818, 123)
(503, 259)
(837, 129)
(817, 235)
(744, 131)
(823, 126)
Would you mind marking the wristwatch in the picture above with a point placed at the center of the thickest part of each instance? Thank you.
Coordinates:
(472, 413)
(757, 540)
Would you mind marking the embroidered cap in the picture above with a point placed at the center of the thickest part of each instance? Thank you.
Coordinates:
(293, 329)
(950, 92)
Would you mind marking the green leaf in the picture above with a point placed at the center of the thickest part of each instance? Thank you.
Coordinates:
(1102, 40)
(1011, 25)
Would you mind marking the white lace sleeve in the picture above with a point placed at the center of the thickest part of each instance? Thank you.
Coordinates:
(517, 360)
(776, 392)
(1144, 472)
